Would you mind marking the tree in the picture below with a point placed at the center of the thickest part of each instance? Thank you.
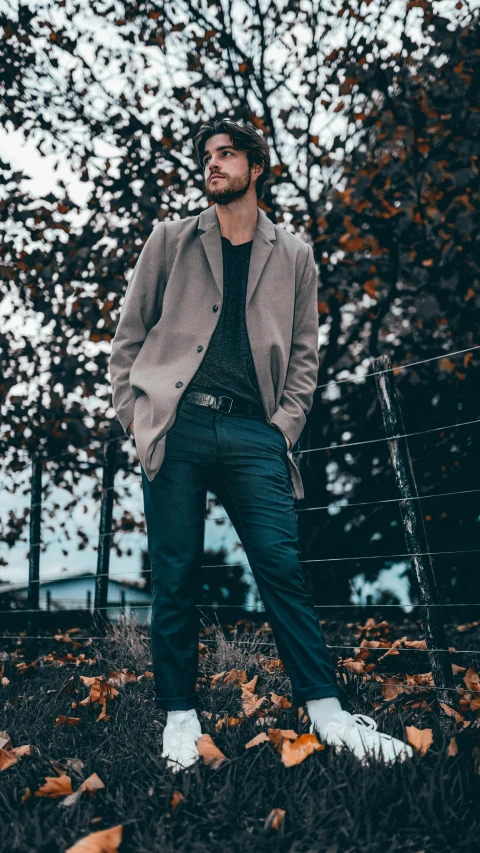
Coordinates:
(373, 121)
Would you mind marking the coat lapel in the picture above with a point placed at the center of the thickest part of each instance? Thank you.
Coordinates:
(263, 242)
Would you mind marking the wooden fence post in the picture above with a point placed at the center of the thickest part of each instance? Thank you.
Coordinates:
(34, 556)
(105, 535)
(415, 535)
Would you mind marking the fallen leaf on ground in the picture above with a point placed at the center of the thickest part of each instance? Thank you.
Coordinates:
(452, 747)
(228, 721)
(10, 754)
(459, 718)
(5, 742)
(257, 740)
(103, 841)
(211, 754)
(67, 721)
(177, 798)
(230, 676)
(420, 739)
(472, 679)
(294, 752)
(251, 703)
(279, 701)
(278, 736)
(100, 692)
(468, 627)
(55, 786)
(274, 819)
(124, 676)
(90, 785)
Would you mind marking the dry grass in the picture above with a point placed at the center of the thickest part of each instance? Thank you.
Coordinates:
(331, 803)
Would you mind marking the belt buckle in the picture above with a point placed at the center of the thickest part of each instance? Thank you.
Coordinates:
(226, 398)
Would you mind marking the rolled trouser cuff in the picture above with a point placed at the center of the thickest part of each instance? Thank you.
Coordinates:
(177, 703)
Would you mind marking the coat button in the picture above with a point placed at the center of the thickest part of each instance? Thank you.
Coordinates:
(215, 307)
(178, 384)
(199, 348)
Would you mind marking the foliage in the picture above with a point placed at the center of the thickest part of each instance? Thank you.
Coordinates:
(373, 122)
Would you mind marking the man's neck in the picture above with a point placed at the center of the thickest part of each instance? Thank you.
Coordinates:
(237, 224)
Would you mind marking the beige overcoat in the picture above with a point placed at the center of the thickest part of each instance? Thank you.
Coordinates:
(172, 306)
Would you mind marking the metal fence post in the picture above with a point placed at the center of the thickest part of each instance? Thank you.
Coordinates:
(105, 535)
(34, 555)
(415, 535)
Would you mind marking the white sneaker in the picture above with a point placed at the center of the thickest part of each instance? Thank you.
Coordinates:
(358, 733)
(179, 743)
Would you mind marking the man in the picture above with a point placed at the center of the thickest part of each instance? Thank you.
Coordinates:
(213, 368)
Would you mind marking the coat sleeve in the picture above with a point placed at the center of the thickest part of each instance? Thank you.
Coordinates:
(302, 373)
(140, 311)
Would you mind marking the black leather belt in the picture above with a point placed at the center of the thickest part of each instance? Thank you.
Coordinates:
(235, 405)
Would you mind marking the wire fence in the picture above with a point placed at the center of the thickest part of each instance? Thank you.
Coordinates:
(99, 443)
(106, 535)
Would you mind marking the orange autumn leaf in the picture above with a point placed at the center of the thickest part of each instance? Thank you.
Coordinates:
(420, 739)
(294, 752)
(251, 703)
(104, 841)
(472, 679)
(67, 721)
(389, 688)
(99, 690)
(451, 712)
(9, 754)
(279, 736)
(211, 754)
(280, 701)
(125, 676)
(274, 819)
(452, 747)
(250, 685)
(55, 786)
(257, 740)
(7, 758)
(446, 364)
(177, 798)
(90, 786)
(227, 721)
(235, 676)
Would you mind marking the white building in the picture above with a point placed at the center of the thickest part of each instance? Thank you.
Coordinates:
(78, 593)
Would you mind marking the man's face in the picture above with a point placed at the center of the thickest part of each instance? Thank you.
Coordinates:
(222, 159)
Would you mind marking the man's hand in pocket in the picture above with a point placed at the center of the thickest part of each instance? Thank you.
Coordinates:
(286, 438)
(130, 428)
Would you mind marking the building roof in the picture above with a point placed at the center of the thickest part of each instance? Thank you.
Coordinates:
(85, 576)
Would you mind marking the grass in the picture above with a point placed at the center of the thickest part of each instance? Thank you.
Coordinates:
(328, 802)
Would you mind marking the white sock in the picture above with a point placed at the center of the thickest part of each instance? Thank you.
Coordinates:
(320, 711)
(181, 716)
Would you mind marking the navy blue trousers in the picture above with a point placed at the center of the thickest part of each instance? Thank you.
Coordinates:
(242, 459)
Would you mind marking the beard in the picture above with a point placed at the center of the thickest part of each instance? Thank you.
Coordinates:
(229, 190)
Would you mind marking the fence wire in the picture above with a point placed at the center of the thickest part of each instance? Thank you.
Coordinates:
(355, 379)
(233, 642)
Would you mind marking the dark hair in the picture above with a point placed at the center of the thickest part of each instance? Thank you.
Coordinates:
(244, 137)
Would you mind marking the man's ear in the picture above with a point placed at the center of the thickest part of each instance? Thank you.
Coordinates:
(260, 168)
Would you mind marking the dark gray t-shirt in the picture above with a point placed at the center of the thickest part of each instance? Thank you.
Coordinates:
(227, 367)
